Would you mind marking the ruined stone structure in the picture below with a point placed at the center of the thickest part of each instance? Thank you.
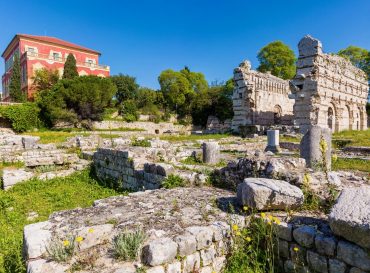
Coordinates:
(328, 90)
(260, 98)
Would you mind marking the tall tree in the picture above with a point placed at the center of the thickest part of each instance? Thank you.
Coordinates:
(277, 58)
(15, 90)
(359, 57)
(127, 87)
(70, 68)
(44, 78)
(196, 79)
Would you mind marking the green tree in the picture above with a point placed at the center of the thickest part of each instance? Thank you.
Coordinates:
(70, 68)
(74, 100)
(126, 87)
(197, 80)
(15, 90)
(45, 78)
(277, 58)
(358, 56)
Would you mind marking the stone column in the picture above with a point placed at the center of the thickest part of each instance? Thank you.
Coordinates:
(272, 141)
(211, 152)
(315, 148)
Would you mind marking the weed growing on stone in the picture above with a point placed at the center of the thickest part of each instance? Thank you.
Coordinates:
(127, 245)
(173, 181)
(61, 250)
(140, 142)
(311, 200)
(192, 160)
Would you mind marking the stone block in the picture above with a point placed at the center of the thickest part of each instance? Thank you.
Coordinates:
(203, 236)
(283, 230)
(174, 267)
(191, 263)
(29, 142)
(325, 245)
(36, 238)
(305, 236)
(283, 249)
(353, 255)
(156, 269)
(356, 270)
(94, 235)
(11, 177)
(187, 244)
(272, 141)
(160, 251)
(350, 216)
(291, 267)
(206, 269)
(211, 152)
(263, 193)
(208, 255)
(219, 264)
(317, 262)
(336, 266)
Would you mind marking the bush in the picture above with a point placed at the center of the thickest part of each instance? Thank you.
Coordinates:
(173, 181)
(23, 117)
(127, 245)
(140, 142)
(129, 111)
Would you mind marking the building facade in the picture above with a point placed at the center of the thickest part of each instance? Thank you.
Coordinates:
(37, 52)
(260, 99)
(328, 90)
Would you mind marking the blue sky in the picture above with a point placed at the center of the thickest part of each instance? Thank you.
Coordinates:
(142, 38)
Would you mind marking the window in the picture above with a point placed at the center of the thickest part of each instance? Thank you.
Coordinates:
(56, 56)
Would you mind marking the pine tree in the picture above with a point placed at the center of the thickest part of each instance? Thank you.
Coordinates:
(15, 90)
(70, 68)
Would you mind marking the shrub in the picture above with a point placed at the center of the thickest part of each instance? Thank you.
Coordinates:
(61, 250)
(23, 117)
(127, 245)
(140, 142)
(173, 181)
(129, 111)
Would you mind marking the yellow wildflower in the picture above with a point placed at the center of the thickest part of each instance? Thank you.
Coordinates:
(263, 215)
(66, 243)
(248, 239)
(296, 249)
(245, 208)
(270, 217)
(79, 239)
(91, 230)
(277, 221)
(238, 233)
(235, 227)
(269, 223)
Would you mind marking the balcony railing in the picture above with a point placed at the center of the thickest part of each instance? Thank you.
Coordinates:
(59, 59)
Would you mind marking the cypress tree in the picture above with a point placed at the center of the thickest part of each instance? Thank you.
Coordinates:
(15, 90)
(70, 68)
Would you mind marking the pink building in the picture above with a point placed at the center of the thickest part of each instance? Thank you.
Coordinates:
(38, 52)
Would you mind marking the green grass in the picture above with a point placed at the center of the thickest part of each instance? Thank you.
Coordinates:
(351, 164)
(55, 136)
(121, 129)
(109, 135)
(358, 138)
(193, 137)
(43, 197)
(290, 139)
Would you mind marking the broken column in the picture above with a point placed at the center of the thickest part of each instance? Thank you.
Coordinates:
(211, 152)
(272, 141)
(315, 148)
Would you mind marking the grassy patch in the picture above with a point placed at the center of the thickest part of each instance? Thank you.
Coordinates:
(173, 181)
(352, 164)
(54, 136)
(357, 138)
(109, 135)
(290, 139)
(121, 129)
(127, 245)
(193, 137)
(43, 197)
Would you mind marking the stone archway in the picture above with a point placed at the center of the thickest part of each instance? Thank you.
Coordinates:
(362, 115)
(277, 114)
(345, 122)
(331, 119)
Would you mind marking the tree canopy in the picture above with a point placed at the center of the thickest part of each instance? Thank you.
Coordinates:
(358, 56)
(126, 87)
(45, 79)
(277, 58)
(70, 68)
(15, 89)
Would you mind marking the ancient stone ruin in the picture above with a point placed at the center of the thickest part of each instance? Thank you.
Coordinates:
(260, 99)
(328, 90)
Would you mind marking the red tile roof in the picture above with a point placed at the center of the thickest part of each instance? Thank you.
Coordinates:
(52, 40)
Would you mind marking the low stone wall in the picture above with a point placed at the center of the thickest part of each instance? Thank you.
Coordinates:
(290, 146)
(149, 127)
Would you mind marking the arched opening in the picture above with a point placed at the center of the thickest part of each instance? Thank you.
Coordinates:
(361, 117)
(277, 114)
(345, 122)
(331, 118)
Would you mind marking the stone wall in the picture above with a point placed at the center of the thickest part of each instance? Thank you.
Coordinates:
(214, 125)
(147, 127)
(328, 90)
(260, 98)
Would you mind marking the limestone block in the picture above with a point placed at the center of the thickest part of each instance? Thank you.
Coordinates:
(29, 141)
(12, 177)
(283, 230)
(94, 235)
(350, 216)
(317, 262)
(290, 267)
(283, 249)
(203, 235)
(309, 46)
(191, 263)
(174, 267)
(208, 255)
(219, 264)
(187, 244)
(325, 245)
(36, 238)
(273, 141)
(305, 235)
(43, 266)
(156, 269)
(263, 193)
(310, 146)
(211, 152)
(353, 255)
(160, 251)
(336, 266)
